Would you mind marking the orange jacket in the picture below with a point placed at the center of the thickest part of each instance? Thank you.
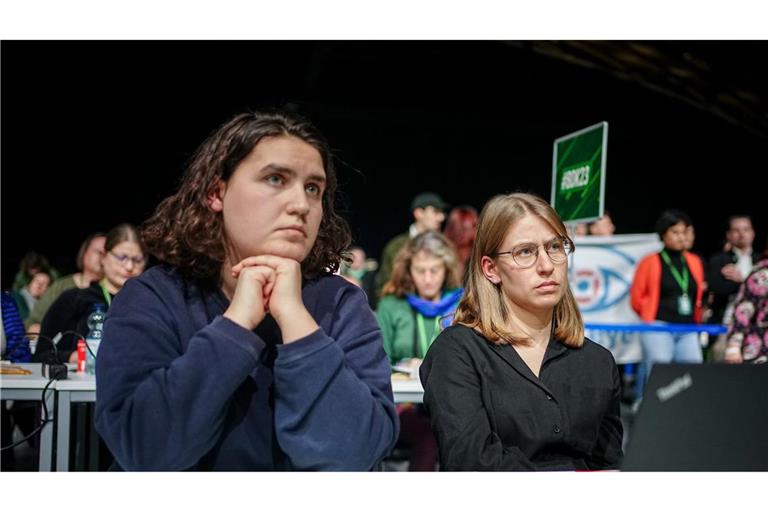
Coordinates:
(645, 293)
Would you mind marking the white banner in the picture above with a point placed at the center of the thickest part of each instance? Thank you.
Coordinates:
(601, 272)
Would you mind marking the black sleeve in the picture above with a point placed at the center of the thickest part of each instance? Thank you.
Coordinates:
(61, 317)
(717, 283)
(456, 402)
(607, 451)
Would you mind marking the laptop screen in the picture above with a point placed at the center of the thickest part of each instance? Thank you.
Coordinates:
(701, 417)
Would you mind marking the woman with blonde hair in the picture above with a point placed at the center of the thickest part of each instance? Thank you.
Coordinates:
(513, 384)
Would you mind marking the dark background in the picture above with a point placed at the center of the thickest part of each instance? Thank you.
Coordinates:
(97, 133)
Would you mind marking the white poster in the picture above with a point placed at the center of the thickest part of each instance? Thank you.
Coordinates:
(601, 273)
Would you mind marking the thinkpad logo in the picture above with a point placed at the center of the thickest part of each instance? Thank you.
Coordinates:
(675, 387)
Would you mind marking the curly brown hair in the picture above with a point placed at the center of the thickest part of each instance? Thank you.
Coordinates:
(185, 232)
(401, 283)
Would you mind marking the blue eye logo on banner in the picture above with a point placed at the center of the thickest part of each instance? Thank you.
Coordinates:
(604, 284)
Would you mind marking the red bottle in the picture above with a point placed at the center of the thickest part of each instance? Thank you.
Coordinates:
(81, 355)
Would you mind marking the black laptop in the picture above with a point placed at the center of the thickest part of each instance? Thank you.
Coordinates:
(701, 417)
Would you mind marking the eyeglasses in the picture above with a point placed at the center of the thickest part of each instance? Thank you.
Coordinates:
(525, 255)
(123, 259)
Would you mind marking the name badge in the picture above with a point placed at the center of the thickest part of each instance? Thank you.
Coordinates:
(684, 305)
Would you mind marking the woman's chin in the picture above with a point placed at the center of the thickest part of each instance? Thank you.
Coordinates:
(281, 250)
(117, 281)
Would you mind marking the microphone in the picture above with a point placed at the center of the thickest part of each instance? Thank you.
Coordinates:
(56, 339)
(55, 370)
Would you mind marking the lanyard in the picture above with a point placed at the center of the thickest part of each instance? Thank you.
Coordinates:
(682, 281)
(423, 332)
(107, 297)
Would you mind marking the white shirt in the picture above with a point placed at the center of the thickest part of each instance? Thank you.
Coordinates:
(744, 262)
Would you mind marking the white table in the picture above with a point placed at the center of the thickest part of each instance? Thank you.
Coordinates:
(79, 387)
(30, 387)
(407, 391)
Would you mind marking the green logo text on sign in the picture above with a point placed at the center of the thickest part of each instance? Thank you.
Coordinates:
(578, 174)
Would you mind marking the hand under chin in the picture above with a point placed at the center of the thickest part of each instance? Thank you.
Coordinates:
(293, 251)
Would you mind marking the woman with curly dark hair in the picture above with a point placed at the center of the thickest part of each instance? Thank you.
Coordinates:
(242, 351)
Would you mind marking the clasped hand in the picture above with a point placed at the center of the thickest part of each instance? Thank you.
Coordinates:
(270, 284)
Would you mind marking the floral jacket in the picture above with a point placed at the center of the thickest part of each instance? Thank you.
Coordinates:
(750, 316)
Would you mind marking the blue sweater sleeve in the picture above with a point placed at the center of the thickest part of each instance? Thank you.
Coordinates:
(334, 408)
(161, 407)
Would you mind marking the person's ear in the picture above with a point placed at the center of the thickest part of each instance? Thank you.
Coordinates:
(490, 270)
(215, 197)
(418, 214)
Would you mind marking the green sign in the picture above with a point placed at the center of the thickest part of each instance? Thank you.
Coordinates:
(578, 174)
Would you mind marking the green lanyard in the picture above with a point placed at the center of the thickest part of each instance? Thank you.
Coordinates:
(423, 333)
(681, 280)
(107, 297)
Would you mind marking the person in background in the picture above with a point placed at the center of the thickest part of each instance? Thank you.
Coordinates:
(728, 269)
(243, 351)
(428, 211)
(21, 413)
(513, 384)
(31, 264)
(89, 265)
(461, 229)
(422, 292)
(124, 257)
(603, 226)
(27, 297)
(15, 342)
(667, 289)
(747, 338)
(361, 272)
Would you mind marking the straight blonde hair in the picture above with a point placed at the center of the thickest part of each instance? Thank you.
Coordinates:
(483, 307)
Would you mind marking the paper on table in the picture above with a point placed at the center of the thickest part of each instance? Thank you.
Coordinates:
(411, 371)
(12, 369)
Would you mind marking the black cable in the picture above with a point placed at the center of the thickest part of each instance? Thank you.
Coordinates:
(43, 422)
(80, 336)
(55, 348)
(55, 351)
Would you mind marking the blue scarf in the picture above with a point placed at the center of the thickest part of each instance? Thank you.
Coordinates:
(445, 306)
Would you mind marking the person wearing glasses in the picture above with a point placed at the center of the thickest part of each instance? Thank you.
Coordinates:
(513, 384)
(124, 257)
(89, 265)
(243, 351)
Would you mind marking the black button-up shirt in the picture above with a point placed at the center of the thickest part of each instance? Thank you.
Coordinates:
(490, 412)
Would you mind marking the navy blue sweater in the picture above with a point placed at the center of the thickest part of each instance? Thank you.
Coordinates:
(181, 387)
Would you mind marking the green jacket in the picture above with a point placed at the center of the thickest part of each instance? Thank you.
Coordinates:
(397, 320)
(388, 259)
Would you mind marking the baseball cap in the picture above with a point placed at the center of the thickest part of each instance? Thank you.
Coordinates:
(428, 199)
